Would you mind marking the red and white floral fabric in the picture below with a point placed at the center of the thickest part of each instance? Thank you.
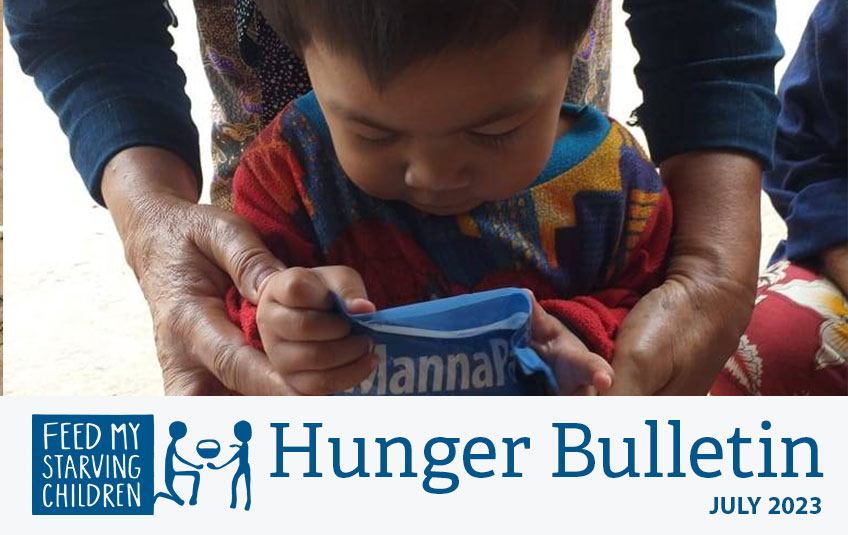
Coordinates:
(797, 341)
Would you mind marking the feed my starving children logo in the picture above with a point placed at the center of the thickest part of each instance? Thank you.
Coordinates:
(104, 465)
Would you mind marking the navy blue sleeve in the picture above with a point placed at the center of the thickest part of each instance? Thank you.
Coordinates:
(107, 70)
(809, 183)
(706, 71)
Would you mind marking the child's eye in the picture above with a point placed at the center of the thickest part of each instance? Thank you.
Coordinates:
(378, 141)
(493, 140)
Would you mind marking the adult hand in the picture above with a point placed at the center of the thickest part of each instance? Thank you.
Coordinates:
(184, 255)
(678, 337)
(835, 266)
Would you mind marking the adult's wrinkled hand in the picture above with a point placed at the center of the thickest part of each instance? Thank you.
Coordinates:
(678, 337)
(184, 256)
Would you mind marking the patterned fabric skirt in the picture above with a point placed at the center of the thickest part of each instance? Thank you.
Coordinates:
(797, 341)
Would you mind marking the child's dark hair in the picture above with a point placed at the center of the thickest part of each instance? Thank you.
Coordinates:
(386, 36)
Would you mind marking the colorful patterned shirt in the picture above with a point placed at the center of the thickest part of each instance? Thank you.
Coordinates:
(588, 236)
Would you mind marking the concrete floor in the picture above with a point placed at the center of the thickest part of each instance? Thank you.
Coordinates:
(78, 323)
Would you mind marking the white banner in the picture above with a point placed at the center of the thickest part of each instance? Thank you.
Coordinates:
(425, 465)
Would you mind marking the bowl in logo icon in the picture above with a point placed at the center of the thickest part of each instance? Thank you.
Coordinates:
(208, 448)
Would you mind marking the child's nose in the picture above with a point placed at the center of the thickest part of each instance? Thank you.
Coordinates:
(437, 173)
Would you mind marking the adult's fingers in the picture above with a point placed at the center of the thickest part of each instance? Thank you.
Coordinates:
(235, 246)
(208, 335)
(191, 381)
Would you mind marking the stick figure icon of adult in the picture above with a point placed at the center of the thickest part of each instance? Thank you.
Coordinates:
(243, 432)
(178, 430)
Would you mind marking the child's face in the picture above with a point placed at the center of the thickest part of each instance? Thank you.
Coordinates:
(451, 131)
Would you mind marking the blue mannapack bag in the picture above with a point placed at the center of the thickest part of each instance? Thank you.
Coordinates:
(474, 344)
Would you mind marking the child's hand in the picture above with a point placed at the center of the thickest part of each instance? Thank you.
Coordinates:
(308, 344)
(578, 371)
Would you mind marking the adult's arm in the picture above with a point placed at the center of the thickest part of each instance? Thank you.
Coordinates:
(107, 70)
(706, 72)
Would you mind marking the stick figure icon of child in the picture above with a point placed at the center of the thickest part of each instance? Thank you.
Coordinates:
(243, 433)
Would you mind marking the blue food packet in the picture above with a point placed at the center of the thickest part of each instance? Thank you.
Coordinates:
(473, 344)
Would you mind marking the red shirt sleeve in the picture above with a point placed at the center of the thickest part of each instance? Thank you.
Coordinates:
(596, 317)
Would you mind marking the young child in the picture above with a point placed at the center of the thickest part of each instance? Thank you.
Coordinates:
(435, 157)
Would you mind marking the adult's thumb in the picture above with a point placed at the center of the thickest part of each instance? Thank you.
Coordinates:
(235, 246)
